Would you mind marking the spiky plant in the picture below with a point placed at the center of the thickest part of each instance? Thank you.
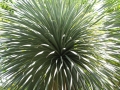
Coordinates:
(51, 45)
(112, 24)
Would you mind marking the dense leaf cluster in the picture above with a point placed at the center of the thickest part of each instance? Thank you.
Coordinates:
(57, 45)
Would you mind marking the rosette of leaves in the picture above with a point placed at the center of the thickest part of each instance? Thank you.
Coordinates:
(51, 45)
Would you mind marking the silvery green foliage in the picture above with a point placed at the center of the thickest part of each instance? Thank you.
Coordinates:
(55, 45)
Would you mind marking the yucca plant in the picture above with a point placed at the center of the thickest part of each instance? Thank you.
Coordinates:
(55, 45)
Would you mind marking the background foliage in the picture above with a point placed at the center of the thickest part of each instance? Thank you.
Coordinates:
(5, 4)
